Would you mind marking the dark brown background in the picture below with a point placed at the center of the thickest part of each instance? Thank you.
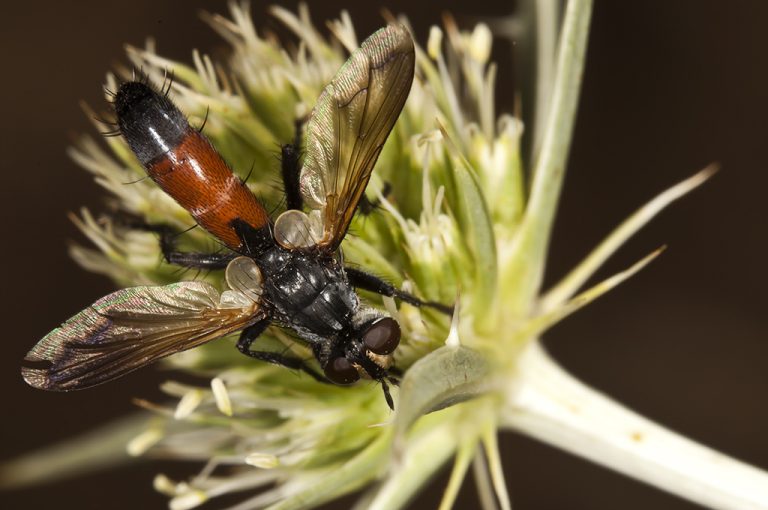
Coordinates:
(669, 88)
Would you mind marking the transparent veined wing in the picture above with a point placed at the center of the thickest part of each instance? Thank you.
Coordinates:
(345, 134)
(133, 327)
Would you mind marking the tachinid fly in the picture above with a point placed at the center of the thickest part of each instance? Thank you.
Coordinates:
(288, 272)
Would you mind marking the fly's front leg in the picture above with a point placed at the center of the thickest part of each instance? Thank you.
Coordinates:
(251, 333)
(367, 281)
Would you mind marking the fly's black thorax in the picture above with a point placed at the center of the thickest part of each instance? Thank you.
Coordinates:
(308, 293)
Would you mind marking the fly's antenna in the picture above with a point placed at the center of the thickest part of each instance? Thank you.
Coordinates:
(387, 395)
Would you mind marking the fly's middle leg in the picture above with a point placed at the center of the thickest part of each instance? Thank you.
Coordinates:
(251, 333)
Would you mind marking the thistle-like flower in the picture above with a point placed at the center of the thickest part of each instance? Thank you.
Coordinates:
(464, 223)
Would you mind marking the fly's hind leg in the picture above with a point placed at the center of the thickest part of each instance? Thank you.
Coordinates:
(197, 260)
(193, 260)
(249, 335)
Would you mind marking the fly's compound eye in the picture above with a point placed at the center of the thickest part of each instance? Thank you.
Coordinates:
(341, 371)
(383, 336)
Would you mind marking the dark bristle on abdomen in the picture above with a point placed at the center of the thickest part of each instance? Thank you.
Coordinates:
(151, 124)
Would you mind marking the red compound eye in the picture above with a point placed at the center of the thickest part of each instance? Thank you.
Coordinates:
(341, 371)
(383, 336)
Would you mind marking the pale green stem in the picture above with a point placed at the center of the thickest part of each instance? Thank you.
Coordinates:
(483, 483)
(490, 442)
(464, 456)
(347, 478)
(422, 458)
(526, 268)
(550, 405)
(546, 15)
(97, 449)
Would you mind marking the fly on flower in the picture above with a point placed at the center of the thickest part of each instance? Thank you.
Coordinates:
(288, 272)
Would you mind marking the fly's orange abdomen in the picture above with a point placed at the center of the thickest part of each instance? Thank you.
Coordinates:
(196, 176)
(185, 164)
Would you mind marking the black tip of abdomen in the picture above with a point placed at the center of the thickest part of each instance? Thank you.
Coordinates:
(149, 121)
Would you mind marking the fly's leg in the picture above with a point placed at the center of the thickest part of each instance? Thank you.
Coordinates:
(367, 281)
(249, 335)
(198, 260)
(290, 167)
(290, 153)
(193, 260)
(366, 206)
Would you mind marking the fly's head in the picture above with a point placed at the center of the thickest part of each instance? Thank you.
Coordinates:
(366, 352)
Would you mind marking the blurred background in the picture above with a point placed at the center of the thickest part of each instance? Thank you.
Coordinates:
(669, 88)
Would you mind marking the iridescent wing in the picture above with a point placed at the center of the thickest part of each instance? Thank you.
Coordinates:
(133, 327)
(344, 137)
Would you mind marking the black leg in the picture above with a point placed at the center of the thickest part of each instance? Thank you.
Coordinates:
(363, 280)
(197, 260)
(249, 335)
(194, 260)
(366, 206)
(291, 170)
(289, 164)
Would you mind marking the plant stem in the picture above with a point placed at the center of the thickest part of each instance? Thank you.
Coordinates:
(547, 17)
(550, 405)
(532, 241)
